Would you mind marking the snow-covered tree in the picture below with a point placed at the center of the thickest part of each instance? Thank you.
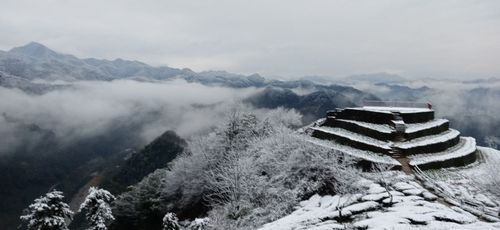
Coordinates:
(170, 222)
(199, 224)
(97, 208)
(250, 170)
(48, 212)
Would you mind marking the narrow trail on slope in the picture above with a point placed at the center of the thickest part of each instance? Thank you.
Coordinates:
(405, 164)
(402, 158)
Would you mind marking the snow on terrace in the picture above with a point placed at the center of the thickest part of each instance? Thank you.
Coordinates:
(366, 155)
(354, 136)
(383, 128)
(415, 127)
(428, 140)
(422, 141)
(389, 109)
(466, 146)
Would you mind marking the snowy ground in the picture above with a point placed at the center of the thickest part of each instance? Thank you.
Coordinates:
(468, 186)
(412, 207)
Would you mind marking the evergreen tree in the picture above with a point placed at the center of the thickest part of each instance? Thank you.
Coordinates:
(142, 206)
(170, 222)
(97, 208)
(48, 212)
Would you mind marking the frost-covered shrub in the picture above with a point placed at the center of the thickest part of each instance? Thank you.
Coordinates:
(271, 176)
(97, 208)
(48, 212)
(170, 222)
(294, 170)
(213, 157)
(250, 170)
(199, 224)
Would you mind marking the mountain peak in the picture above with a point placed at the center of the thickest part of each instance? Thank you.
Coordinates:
(34, 49)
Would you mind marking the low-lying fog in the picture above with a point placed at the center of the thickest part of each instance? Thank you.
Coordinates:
(84, 109)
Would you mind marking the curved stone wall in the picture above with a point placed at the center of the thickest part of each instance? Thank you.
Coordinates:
(418, 117)
(427, 132)
(349, 142)
(455, 162)
(432, 148)
(361, 130)
(365, 115)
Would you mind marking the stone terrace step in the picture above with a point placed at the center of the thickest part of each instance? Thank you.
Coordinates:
(352, 139)
(416, 130)
(459, 155)
(429, 144)
(383, 115)
(367, 157)
(382, 132)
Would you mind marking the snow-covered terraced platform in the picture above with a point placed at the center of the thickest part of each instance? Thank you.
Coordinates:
(398, 133)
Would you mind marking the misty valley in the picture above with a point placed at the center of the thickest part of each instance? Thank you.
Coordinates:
(179, 149)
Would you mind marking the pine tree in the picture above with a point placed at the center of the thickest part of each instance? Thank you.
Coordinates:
(170, 222)
(97, 208)
(48, 212)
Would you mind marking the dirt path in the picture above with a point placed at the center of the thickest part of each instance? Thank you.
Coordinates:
(405, 164)
(408, 170)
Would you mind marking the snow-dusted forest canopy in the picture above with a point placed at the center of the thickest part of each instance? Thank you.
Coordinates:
(251, 170)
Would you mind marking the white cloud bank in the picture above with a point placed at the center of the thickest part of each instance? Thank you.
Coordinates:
(91, 108)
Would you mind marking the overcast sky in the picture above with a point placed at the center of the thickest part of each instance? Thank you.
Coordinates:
(284, 38)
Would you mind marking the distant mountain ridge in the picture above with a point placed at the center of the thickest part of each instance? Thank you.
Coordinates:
(36, 61)
(20, 65)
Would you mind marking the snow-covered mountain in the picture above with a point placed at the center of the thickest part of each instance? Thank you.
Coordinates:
(36, 61)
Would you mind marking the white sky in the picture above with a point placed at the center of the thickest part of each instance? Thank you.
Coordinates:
(284, 38)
